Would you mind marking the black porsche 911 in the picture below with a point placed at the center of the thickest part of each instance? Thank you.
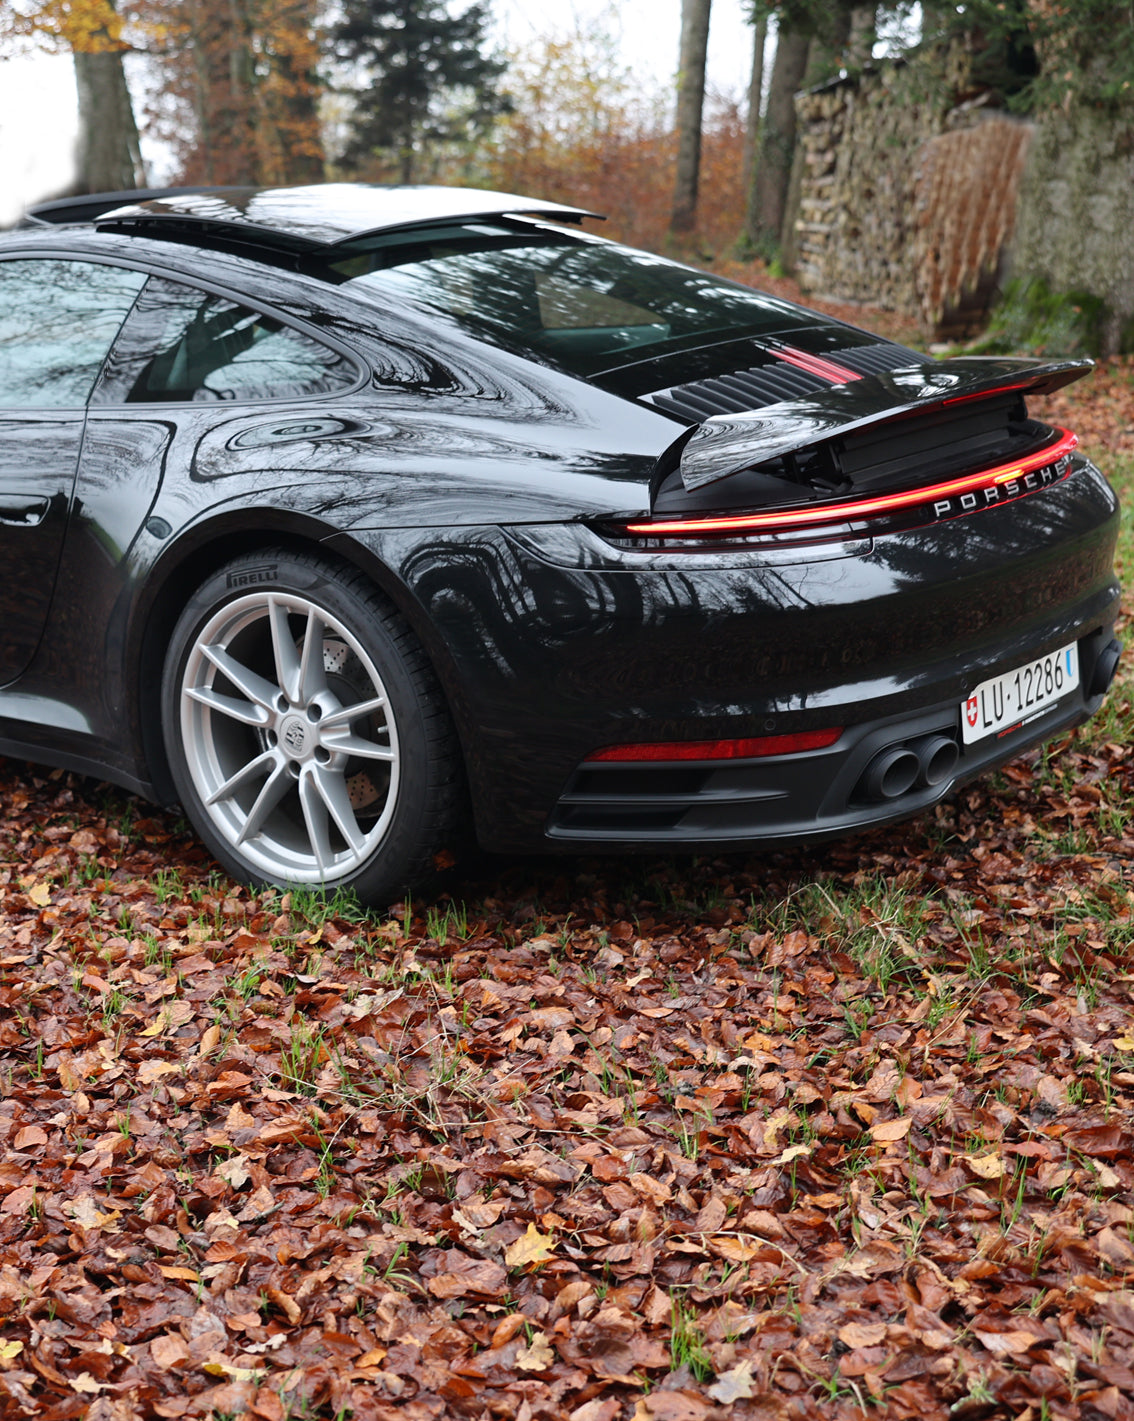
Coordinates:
(348, 514)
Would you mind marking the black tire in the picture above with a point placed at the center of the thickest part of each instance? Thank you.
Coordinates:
(282, 784)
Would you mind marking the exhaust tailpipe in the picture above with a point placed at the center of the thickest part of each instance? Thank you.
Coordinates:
(937, 757)
(891, 773)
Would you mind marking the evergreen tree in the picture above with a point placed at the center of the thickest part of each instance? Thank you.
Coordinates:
(419, 76)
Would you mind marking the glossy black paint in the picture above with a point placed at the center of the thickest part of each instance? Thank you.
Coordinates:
(471, 485)
(326, 214)
(63, 210)
(727, 444)
(563, 660)
(39, 451)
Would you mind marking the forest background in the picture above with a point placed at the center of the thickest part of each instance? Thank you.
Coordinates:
(276, 91)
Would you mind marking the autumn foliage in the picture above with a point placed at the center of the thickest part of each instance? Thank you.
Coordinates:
(237, 91)
(239, 95)
(84, 26)
(586, 131)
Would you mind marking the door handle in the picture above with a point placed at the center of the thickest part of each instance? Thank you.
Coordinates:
(23, 510)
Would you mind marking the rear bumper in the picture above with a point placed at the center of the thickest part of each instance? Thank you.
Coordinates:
(812, 795)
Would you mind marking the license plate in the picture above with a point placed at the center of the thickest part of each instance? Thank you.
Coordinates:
(1017, 696)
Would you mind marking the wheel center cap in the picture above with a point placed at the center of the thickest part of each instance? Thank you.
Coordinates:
(295, 735)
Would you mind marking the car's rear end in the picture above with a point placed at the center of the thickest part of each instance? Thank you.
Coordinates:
(899, 640)
(858, 576)
(797, 689)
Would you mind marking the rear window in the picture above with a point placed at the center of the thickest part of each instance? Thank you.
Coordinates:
(587, 305)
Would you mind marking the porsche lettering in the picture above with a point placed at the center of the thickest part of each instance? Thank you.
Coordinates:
(1003, 492)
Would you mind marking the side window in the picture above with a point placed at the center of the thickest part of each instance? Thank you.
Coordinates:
(57, 321)
(182, 344)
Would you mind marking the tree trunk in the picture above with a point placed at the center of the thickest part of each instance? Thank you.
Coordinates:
(863, 33)
(755, 95)
(294, 104)
(829, 49)
(690, 102)
(767, 194)
(109, 158)
(202, 108)
(245, 156)
(789, 247)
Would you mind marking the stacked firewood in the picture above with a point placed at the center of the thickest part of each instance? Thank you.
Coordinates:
(964, 211)
(859, 140)
(906, 197)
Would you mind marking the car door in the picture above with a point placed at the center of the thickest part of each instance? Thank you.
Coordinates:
(58, 318)
(196, 387)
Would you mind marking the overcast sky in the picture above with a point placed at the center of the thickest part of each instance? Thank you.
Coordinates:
(649, 32)
(38, 111)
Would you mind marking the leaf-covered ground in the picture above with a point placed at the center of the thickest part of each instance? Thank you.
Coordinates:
(838, 1133)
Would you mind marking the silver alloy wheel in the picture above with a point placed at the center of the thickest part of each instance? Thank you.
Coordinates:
(289, 738)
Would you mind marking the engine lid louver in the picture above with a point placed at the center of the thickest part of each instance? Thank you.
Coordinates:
(779, 380)
(744, 390)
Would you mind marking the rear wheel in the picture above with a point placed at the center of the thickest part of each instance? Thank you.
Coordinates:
(305, 730)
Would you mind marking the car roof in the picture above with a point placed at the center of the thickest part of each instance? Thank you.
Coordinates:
(306, 219)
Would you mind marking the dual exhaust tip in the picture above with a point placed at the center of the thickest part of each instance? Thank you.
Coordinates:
(922, 764)
(932, 759)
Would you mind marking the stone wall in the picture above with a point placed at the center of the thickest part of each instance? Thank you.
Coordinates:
(1076, 217)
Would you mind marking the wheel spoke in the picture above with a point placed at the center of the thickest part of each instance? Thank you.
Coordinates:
(247, 712)
(283, 649)
(255, 687)
(262, 764)
(315, 818)
(348, 744)
(351, 713)
(332, 787)
(275, 787)
(312, 676)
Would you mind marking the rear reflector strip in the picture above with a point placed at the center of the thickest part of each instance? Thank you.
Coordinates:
(751, 749)
(815, 365)
(861, 508)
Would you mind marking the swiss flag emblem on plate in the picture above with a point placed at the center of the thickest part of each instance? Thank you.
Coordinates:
(971, 710)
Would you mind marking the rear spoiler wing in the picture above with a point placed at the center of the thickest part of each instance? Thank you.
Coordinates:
(728, 444)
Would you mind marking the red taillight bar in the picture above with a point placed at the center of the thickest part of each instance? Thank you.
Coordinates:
(859, 508)
(751, 749)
